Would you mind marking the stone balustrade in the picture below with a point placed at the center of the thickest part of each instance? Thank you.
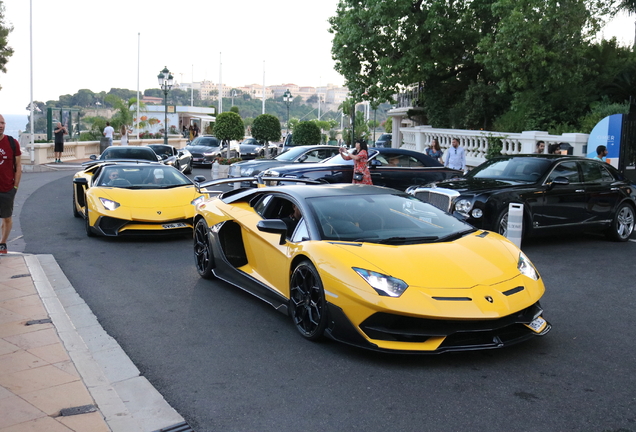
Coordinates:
(74, 150)
(476, 142)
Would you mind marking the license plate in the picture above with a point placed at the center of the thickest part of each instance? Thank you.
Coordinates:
(537, 325)
(174, 225)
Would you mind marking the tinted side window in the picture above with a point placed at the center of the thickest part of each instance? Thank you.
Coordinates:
(606, 176)
(591, 172)
(568, 170)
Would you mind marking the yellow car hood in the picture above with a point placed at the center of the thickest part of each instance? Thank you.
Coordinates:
(469, 261)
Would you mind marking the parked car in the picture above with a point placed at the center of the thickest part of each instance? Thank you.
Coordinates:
(384, 140)
(299, 154)
(114, 153)
(558, 193)
(371, 267)
(395, 168)
(250, 148)
(181, 159)
(206, 148)
(140, 198)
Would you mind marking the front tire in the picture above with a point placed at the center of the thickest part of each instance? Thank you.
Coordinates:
(623, 223)
(307, 303)
(188, 168)
(203, 258)
(87, 225)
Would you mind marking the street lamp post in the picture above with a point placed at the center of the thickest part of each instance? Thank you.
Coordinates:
(165, 79)
(233, 94)
(287, 98)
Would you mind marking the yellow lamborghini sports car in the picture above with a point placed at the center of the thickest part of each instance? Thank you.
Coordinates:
(134, 198)
(371, 267)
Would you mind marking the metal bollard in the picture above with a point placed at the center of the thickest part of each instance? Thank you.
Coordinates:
(515, 223)
(215, 170)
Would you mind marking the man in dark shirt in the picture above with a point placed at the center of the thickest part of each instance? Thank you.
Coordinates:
(10, 174)
(59, 133)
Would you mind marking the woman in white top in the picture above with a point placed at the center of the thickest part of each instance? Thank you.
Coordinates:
(124, 135)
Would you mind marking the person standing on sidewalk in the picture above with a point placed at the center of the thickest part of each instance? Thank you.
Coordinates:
(10, 174)
(456, 157)
(59, 132)
(108, 133)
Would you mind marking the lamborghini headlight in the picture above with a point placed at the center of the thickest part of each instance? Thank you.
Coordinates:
(109, 204)
(383, 284)
(463, 206)
(526, 268)
(197, 200)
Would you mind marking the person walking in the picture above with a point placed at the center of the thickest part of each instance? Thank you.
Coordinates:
(10, 175)
(456, 157)
(108, 133)
(124, 135)
(59, 133)
(360, 156)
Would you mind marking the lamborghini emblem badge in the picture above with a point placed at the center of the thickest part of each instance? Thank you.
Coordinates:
(158, 212)
(489, 299)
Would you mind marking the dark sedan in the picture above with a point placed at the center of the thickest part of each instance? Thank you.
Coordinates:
(300, 154)
(118, 153)
(181, 159)
(390, 167)
(558, 193)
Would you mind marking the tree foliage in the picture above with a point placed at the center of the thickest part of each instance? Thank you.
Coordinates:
(5, 50)
(473, 61)
(266, 127)
(307, 133)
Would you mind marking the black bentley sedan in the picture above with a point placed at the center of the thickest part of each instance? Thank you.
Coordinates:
(558, 193)
(389, 167)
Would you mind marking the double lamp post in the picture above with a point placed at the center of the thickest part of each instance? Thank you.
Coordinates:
(165, 79)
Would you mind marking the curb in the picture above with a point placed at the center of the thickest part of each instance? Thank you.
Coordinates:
(127, 400)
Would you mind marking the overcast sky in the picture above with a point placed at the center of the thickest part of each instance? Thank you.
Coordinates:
(85, 44)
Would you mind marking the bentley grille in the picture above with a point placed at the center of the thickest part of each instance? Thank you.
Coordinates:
(439, 200)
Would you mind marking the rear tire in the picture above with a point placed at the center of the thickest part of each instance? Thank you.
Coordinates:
(75, 212)
(203, 258)
(623, 223)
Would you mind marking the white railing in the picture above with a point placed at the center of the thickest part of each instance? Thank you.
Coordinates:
(476, 143)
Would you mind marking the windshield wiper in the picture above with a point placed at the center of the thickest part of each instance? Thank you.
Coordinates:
(404, 240)
(459, 234)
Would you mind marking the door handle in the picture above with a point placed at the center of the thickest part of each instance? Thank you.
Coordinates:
(580, 190)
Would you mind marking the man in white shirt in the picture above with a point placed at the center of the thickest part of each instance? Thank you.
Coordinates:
(108, 133)
(456, 157)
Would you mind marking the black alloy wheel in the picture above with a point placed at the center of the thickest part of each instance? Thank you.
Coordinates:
(502, 223)
(623, 223)
(203, 259)
(307, 304)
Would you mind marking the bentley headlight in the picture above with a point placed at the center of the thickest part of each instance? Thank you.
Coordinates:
(109, 204)
(245, 172)
(526, 268)
(383, 284)
(197, 200)
(463, 206)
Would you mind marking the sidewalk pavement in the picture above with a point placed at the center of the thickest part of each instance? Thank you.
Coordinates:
(59, 370)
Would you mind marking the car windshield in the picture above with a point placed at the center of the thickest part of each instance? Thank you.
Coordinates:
(141, 177)
(525, 169)
(139, 153)
(339, 160)
(205, 141)
(291, 154)
(161, 149)
(384, 218)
